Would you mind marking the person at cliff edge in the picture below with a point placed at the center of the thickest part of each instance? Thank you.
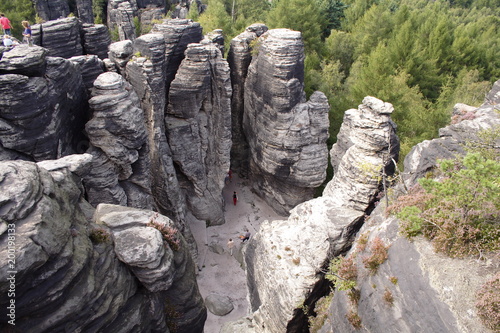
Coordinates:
(27, 33)
(5, 23)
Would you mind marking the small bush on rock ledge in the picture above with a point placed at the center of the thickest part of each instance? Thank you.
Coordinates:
(99, 236)
(488, 303)
(378, 255)
(168, 233)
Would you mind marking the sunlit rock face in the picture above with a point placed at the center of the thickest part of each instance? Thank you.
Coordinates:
(198, 125)
(80, 271)
(286, 134)
(285, 258)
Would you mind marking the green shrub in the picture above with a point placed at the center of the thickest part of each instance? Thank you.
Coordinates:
(460, 211)
(388, 298)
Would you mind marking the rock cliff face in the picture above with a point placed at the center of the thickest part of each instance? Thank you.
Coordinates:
(121, 15)
(96, 40)
(118, 143)
(60, 37)
(285, 258)
(51, 9)
(239, 58)
(73, 274)
(286, 134)
(430, 292)
(85, 11)
(199, 129)
(43, 104)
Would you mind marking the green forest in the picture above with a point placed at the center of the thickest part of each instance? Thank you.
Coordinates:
(422, 56)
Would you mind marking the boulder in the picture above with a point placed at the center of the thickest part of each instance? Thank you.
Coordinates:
(239, 58)
(199, 130)
(286, 134)
(219, 305)
(120, 53)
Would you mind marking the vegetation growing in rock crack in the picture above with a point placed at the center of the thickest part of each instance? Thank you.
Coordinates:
(343, 273)
(378, 255)
(169, 234)
(99, 235)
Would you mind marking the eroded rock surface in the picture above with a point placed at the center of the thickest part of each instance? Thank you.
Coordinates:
(239, 58)
(96, 39)
(286, 134)
(117, 134)
(43, 104)
(51, 9)
(199, 129)
(64, 262)
(285, 258)
(121, 15)
(60, 37)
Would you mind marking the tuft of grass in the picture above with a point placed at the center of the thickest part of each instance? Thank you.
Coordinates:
(321, 310)
(388, 298)
(394, 280)
(378, 255)
(362, 241)
(99, 235)
(343, 273)
(354, 319)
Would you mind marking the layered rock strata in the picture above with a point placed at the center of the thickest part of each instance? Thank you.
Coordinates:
(286, 134)
(285, 259)
(60, 37)
(85, 11)
(121, 15)
(74, 275)
(199, 129)
(117, 135)
(96, 39)
(411, 291)
(51, 9)
(239, 58)
(43, 102)
(147, 75)
(90, 67)
(178, 33)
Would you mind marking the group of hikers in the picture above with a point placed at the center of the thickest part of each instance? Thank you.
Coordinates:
(8, 40)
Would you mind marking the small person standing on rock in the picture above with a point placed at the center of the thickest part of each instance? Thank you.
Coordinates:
(27, 33)
(245, 237)
(230, 246)
(235, 198)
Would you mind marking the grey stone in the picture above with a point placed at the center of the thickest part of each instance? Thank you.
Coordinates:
(120, 53)
(219, 305)
(85, 11)
(199, 129)
(60, 37)
(239, 58)
(51, 9)
(96, 39)
(286, 134)
(24, 60)
(90, 67)
(121, 15)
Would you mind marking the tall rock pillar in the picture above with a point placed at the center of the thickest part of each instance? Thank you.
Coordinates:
(286, 134)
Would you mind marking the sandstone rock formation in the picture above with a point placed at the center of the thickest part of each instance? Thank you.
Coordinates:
(90, 67)
(285, 258)
(417, 289)
(67, 275)
(199, 129)
(239, 58)
(147, 75)
(178, 33)
(85, 11)
(118, 143)
(286, 134)
(121, 15)
(51, 9)
(60, 37)
(44, 105)
(96, 39)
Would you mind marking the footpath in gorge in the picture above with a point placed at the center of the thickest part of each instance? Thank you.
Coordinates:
(219, 272)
